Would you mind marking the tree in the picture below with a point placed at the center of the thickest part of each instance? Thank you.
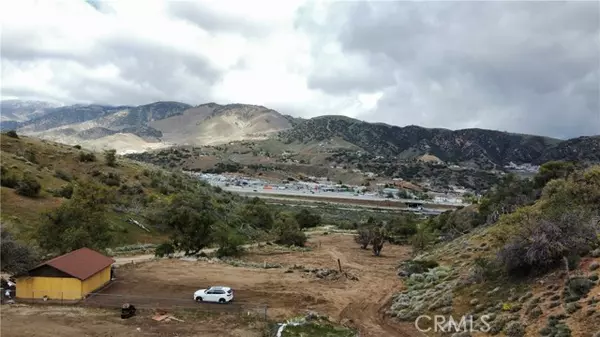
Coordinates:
(229, 241)
(288, 231)
(190, 218)
(404, 226)
(363, 237)
(110, 157)
(15, 257)
(79, 222)
(257, 214)
(307, 219)
(553, 170)
(377, 239)
(422, 239)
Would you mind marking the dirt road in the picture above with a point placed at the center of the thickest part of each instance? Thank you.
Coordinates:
(286, 292)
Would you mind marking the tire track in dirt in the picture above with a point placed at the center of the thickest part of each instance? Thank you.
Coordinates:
(366, 310)
(337, 255)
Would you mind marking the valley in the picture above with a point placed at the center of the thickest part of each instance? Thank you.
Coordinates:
(336, 233)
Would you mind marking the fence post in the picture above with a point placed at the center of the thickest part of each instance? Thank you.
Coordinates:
(62, 296)
(339, 265)
(265, 312)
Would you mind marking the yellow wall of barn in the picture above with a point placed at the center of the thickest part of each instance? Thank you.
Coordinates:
(56, 288)
(95, 281)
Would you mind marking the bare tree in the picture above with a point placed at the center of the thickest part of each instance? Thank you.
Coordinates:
(363, 237)
(377, 239)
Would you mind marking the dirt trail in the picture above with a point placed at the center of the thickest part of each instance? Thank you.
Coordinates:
(361, 303)
(377, 284)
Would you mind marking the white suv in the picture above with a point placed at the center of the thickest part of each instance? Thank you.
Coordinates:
(214, 294)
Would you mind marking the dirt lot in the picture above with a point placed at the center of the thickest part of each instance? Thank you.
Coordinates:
(286, 292)
(359, 303)
(43, 321)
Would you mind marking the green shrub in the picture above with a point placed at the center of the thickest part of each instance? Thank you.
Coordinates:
(60, 174)
(111, 179)
(292, 238)
(86, 157)
(66, 191)
(12, 134)
(422, 239)
(577, 287)
(110, 157)
(30, 156)
(514, 329)
(29, 186)
(543, 242)
(78, 147)
(164, 249)
(573, 261)
(307, 219)
(410, 267)
(8, 178)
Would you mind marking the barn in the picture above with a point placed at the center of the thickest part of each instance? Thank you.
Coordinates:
(69, 277)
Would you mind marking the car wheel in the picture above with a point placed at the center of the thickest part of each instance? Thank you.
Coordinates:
(221, 300)
(198, 299)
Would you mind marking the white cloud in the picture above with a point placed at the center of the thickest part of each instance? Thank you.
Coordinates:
(400, 63)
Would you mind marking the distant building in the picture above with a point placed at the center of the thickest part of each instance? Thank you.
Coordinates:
(448, 199)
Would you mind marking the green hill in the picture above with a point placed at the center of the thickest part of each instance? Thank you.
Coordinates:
(45, 182)
(526, 259)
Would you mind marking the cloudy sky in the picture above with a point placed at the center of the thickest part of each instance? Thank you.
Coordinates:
(526, 66)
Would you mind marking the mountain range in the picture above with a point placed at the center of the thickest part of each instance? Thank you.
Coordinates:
(167, 124)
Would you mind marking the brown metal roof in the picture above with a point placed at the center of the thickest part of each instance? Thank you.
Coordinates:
(81, 263)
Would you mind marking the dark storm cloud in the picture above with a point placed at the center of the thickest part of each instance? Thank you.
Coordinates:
(522, 66)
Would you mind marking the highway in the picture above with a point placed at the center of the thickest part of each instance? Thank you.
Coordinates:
(334, 195)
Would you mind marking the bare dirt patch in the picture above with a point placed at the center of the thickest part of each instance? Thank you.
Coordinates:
(43, 321)
(285, 291)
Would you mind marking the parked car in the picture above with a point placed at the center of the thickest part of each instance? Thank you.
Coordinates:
(217, 294)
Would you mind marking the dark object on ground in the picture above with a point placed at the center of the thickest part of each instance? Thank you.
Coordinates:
(127, 311)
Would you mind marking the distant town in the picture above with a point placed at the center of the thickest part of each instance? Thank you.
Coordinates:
(322, 187)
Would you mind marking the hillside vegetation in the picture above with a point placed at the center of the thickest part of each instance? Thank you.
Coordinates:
(57, 198)
(528, 257)
(483, 148)
(168, 123)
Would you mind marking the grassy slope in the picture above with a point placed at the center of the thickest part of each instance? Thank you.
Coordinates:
(23, 214)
